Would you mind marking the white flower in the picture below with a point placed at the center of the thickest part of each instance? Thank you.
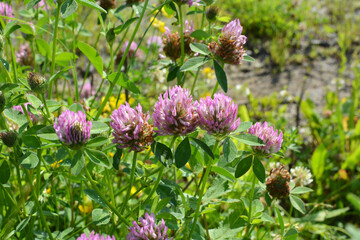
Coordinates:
(301, 176)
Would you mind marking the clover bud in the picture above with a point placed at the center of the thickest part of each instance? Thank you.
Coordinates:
(9, 138)
(37, 82)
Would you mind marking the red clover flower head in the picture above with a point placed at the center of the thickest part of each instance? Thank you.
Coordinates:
(19, 108)
(131, 128)
(218, 116)
(147, 229)
(73, 129)
(270, 137)
(6, 10)
(175, 112)
(94, 236)
(24, 56)
(155, 41)
(230, 44)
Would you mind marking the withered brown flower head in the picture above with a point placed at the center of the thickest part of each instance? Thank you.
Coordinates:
(278, 182)
(108, 4)
(230, 43)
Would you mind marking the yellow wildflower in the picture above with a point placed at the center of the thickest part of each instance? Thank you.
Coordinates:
(88, 206)
(158, 24)
(111, 104)
(206, 94)
(56, 164)
(208, 73)
(48, 190)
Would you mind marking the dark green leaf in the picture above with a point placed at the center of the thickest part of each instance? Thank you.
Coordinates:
(122, 82)
(22, 224)
(68, 8)
(223, 172)
(5, 64)
(162, 153)
(230, 150)
(194, 63)
(4, 172)
(10, 28)
(117, 158)
(97, 142)
(94, 196)
(259, 170)
(220, 76)
(200, 34)
(122, 27)
(204, 147)
(249, 139)
(97, 157)
(100, 216)
(243, 166)
(200, 48)
(183, 153)
(47, 133)
(31, 141)
(173, 71)
(29, 160)
(98, 127)
(57, 75)
(92, 5)
(297, 203)
(93, 56)
(77, 163)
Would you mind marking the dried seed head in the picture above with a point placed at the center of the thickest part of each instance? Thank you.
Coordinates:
(108, 4)
(9, 138)
(278, 182)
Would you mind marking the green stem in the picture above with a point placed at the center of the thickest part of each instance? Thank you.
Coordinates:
(42, 217)
(26, 114)
(195, 80)
(202, 191)
(181, 35)
(74, 63)
(52, 68)
(112, 84)
(13, 59)
(251, 197)
(18, 175)
(45, 105)
(132, 177)
(203, 17)
(93, 184)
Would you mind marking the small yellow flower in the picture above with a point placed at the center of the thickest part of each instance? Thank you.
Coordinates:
(88, 206)
(48, 190)
(158, 24)
(56, 164)
(188, 165)
(208, 73)
(111, 104)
